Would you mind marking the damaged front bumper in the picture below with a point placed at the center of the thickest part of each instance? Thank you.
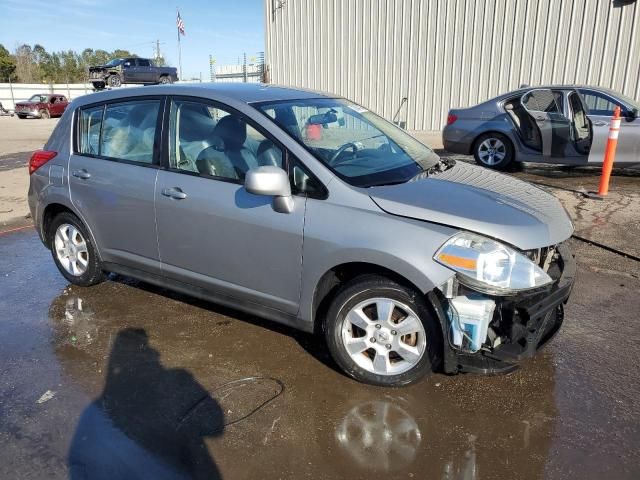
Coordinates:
(521, 324)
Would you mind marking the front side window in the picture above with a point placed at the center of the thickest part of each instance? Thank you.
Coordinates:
(357, 145)
(211, 141)
(39, 99)
(122, 131)
(600, 104)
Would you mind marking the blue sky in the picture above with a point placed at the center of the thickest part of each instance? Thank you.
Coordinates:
(222, 28)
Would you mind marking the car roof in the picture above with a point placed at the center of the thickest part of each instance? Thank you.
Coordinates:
(523, 90)
(242, 92)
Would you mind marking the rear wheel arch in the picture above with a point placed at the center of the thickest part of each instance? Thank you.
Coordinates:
(51, 211)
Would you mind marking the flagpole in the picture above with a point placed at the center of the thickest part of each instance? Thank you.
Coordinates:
(179, 48)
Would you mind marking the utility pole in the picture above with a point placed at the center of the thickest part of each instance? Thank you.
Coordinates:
(157, 50)
(244, 67)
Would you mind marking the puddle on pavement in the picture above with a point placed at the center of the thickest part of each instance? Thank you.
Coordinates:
(155, 364)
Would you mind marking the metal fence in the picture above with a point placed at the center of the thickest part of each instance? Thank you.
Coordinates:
(448, 53)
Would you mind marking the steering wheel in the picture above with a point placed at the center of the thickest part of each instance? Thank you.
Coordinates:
(344, 147)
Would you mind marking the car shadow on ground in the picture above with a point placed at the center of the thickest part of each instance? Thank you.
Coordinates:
(313, 344)
(149, 421)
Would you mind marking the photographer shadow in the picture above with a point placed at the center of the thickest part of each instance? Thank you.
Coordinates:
(149, 422)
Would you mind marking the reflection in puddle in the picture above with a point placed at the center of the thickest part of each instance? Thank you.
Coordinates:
(379, 435)
(79, 322)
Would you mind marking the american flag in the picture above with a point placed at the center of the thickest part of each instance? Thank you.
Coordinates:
(180, 24)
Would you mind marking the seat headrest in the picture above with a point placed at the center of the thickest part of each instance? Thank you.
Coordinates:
(232, 130)
(269, 154)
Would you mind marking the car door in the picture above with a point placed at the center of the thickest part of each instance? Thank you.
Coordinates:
(544, 106)
(112, 178)
(212, 233)
(57, 107)
(144, 70)
(130, 72)
(600, 107)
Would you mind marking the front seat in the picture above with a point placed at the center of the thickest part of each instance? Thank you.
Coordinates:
(227, 157)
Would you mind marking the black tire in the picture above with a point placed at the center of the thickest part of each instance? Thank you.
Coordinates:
(372, 286)
(44, 114)
(115, 81)
(22, 117)
(165, 80)
(483, 155)
(94, 273)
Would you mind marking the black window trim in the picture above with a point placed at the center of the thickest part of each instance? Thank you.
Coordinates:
(288, 161)
(155, 161)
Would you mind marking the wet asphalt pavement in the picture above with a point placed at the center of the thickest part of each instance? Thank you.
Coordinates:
(134, 378)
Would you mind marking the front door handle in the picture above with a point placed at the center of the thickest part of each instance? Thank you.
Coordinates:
(83, 174)
(174, 192)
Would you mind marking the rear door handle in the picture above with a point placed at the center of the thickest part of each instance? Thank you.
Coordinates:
(83, 174)
(174, 192)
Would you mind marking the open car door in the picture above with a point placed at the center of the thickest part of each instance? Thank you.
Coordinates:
(556, 130)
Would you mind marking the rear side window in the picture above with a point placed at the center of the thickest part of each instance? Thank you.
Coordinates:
(122, 131)
(541, 101)
(143, 63)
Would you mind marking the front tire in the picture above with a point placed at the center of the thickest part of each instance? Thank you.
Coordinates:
(73, 251)
(382, 333)
(493, 150)
(44, 114)
(115, 81)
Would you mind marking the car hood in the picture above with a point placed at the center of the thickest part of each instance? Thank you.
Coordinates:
(482, 201)
(27, 104)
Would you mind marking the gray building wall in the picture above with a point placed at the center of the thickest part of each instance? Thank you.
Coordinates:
(449, 53)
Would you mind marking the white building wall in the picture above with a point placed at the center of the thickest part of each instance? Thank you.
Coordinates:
(449, 53)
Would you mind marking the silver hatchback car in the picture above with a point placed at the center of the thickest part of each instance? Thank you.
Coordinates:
(312, 211)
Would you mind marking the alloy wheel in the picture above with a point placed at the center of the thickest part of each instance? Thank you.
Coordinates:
(71, 249)
(492, 151)
(384, 336)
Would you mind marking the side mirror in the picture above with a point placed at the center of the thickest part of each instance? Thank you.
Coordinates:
(127, 64)
(632, 114)
(271, 181)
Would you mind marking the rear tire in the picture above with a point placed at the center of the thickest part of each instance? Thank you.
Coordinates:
(165, 80)
(493, 150)
(73, 251)
(379, 348)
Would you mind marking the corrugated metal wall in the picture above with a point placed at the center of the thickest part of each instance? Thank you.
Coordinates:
(449, 53)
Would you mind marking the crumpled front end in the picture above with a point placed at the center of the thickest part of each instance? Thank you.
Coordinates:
(489, 334)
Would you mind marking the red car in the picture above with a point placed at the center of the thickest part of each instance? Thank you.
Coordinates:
(42, 105)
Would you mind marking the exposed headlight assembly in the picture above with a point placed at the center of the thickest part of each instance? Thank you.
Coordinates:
(488, 266)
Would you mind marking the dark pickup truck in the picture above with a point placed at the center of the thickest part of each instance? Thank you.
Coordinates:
(130, 70)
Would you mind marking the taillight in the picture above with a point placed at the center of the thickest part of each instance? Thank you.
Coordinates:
(39, 158)
(451, 118)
